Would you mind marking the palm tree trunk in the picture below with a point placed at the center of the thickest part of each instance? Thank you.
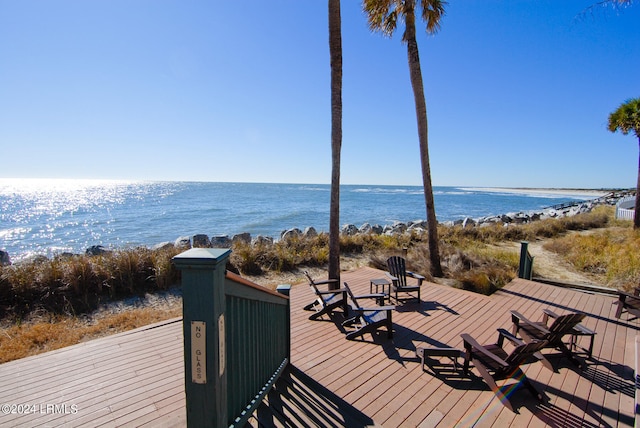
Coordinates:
(636, 214)
(423, 137)
(335, 51)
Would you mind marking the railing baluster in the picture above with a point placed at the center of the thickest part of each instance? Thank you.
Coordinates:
(245, 353)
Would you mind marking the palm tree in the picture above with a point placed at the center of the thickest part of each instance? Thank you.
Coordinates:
(335, 52)
(626, 119)
(383, 16)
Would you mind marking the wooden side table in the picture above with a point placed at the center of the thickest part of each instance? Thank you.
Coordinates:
(381, 282)
(581, 330)
(452, 353)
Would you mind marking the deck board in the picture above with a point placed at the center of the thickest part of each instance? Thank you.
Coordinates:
(136, 378)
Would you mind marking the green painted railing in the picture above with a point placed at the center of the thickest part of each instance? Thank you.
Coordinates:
(236, 339)
(257, 346)
(525, 270)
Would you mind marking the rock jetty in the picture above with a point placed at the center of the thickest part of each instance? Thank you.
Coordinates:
(416, 226)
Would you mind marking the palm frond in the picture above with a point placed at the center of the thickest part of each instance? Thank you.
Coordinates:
(381, 15)
(626, 118)
(385, 15)
(432, 13)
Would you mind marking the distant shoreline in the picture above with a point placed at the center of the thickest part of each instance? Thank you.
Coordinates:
(589, 193)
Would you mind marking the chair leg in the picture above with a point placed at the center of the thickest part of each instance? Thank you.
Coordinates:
(369, 328)
(544, 361)
(321, 312)
(351, 321)
(359, 332)
(310, 306)
(620, 306)
(570, 355)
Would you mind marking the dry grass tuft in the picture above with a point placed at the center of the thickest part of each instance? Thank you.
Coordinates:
(611, 254)
(31, 338)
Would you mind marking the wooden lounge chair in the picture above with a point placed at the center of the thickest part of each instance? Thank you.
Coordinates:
(398, 275)
(495, 364)
(629, 302)
(561, 326)
(368, 319)
(326, 301)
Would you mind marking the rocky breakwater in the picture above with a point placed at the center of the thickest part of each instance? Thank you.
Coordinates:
(555, 211)
(417, 226)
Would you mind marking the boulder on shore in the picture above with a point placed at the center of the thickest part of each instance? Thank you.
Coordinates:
(96, 250)
(220, 241)
(201, 241)
(183, 242)
(5, 260)
(290, 233)
(310, 232)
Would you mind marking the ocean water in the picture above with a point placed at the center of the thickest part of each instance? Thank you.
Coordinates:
(52, 216)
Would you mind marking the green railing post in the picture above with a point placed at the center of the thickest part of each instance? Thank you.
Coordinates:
(285, 290)
(203, 297)
(525, 269)
(523, 258)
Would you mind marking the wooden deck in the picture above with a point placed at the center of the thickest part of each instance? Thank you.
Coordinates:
(136, 378)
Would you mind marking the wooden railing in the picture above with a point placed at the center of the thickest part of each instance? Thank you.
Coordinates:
(525, 270)
(236, 339)
(258, 346)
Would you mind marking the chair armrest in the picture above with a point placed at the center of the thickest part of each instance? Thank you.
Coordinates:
(415, 275)
(370, 296)
(504, 334)
(548, 313)
(391, 277)
(326, 281)
(582, 330)
(517, 318)
(623, 294)
(339, 290)
(377, 308)
(471, 344)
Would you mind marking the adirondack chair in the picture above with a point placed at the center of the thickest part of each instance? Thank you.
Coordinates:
(561, 326)
(495, 364)
(368, 319)
(326, 301)
(629, 302)
(398, 275)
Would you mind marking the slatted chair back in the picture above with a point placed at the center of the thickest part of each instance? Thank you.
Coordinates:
(522, 353)
(369, 318)
(353, 302)
(563, 325)
(397, 267)
(314, 288)
(326, 301)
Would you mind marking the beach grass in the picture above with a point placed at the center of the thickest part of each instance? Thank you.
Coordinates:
(47, 304)
(52, 332)
(80, 283)
(611, 254)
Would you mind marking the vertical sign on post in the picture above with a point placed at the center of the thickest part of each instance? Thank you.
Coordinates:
(221, 344)
(198, 352)
(204, 305)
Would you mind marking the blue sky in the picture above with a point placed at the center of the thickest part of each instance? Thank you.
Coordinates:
(518, 93)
